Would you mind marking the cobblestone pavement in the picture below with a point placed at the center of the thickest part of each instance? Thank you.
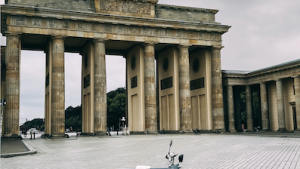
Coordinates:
(200, 151)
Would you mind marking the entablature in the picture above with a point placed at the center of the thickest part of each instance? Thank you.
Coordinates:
(90, 25)
(285, 70)
(113, 19)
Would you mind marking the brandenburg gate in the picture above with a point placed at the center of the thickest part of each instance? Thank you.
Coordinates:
(183, 92)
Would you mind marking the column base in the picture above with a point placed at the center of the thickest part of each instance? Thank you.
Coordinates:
(186, 131)
(232, 131)
(151, 132)
(219, 131)
(58, 136)
(100, 133)
(205, 131)
(288, 131)
(137, 133)
(87, 134)
(14, 136)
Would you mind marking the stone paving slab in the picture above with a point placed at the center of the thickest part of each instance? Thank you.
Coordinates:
(11, 145)
(127, 152)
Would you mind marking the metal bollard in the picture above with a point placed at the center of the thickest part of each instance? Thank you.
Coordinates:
(30, 135)
(34, 135)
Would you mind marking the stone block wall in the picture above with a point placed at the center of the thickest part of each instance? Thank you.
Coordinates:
(168, 12)
(179, 13)
(74, 5)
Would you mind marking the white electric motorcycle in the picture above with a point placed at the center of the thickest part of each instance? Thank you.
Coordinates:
(170, 157)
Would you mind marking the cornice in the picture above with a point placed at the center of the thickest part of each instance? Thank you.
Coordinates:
(274, 69)
(113, 19)
(183, 8)
(264, 71)
(146, 1)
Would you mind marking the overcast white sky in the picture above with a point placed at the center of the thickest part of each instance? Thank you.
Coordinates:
(263, 33)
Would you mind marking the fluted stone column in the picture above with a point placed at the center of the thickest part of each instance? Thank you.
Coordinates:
(217, 90)
(184, 89)
(230, 109)
(238, 118)
(297, 99)
(12, 86)
(280, 105)
(249, 108)
(58, 88)
(100, 105)
(264, 106)
(150, 90)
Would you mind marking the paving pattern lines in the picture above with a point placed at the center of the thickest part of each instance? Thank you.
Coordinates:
(200, 151)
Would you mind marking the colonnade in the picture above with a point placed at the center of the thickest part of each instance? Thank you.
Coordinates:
(94, 104)
(279, 105)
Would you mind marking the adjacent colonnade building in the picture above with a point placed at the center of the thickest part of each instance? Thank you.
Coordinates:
(279, 97)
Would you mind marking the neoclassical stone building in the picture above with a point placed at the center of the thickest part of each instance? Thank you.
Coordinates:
(184, 92)
(279, 90)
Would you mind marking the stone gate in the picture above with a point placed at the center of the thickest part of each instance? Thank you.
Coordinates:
(184, 42)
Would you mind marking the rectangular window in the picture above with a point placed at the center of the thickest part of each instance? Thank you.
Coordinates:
(167, 83)
(197, 84)
(134, 82)
(87, 81)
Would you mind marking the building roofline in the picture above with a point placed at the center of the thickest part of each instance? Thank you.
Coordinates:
(270, 69)
(214, 11)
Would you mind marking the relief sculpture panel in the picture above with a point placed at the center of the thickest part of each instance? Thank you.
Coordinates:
(126, 7)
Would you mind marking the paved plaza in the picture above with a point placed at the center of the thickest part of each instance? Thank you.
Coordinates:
(200, 151)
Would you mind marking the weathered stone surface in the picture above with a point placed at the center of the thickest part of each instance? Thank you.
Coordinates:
(264, 107)
(231, 109)
(137, 21)
(92, 29)
(150, 90)
(100, 104)
(217, 90)
(58, 88)
(297, 99)
(73, 5)
(184, 89)
(126, 8)
(12, 86)
(249, 108)
(280, 105)
(185, 13)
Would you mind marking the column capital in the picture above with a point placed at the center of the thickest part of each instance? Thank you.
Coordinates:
(184, 45)
(100, 40)
(280, 79)
(150, 43)
(58, 37)
(262, 83)
(217, 47)
(13, 34)
(295, 76)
